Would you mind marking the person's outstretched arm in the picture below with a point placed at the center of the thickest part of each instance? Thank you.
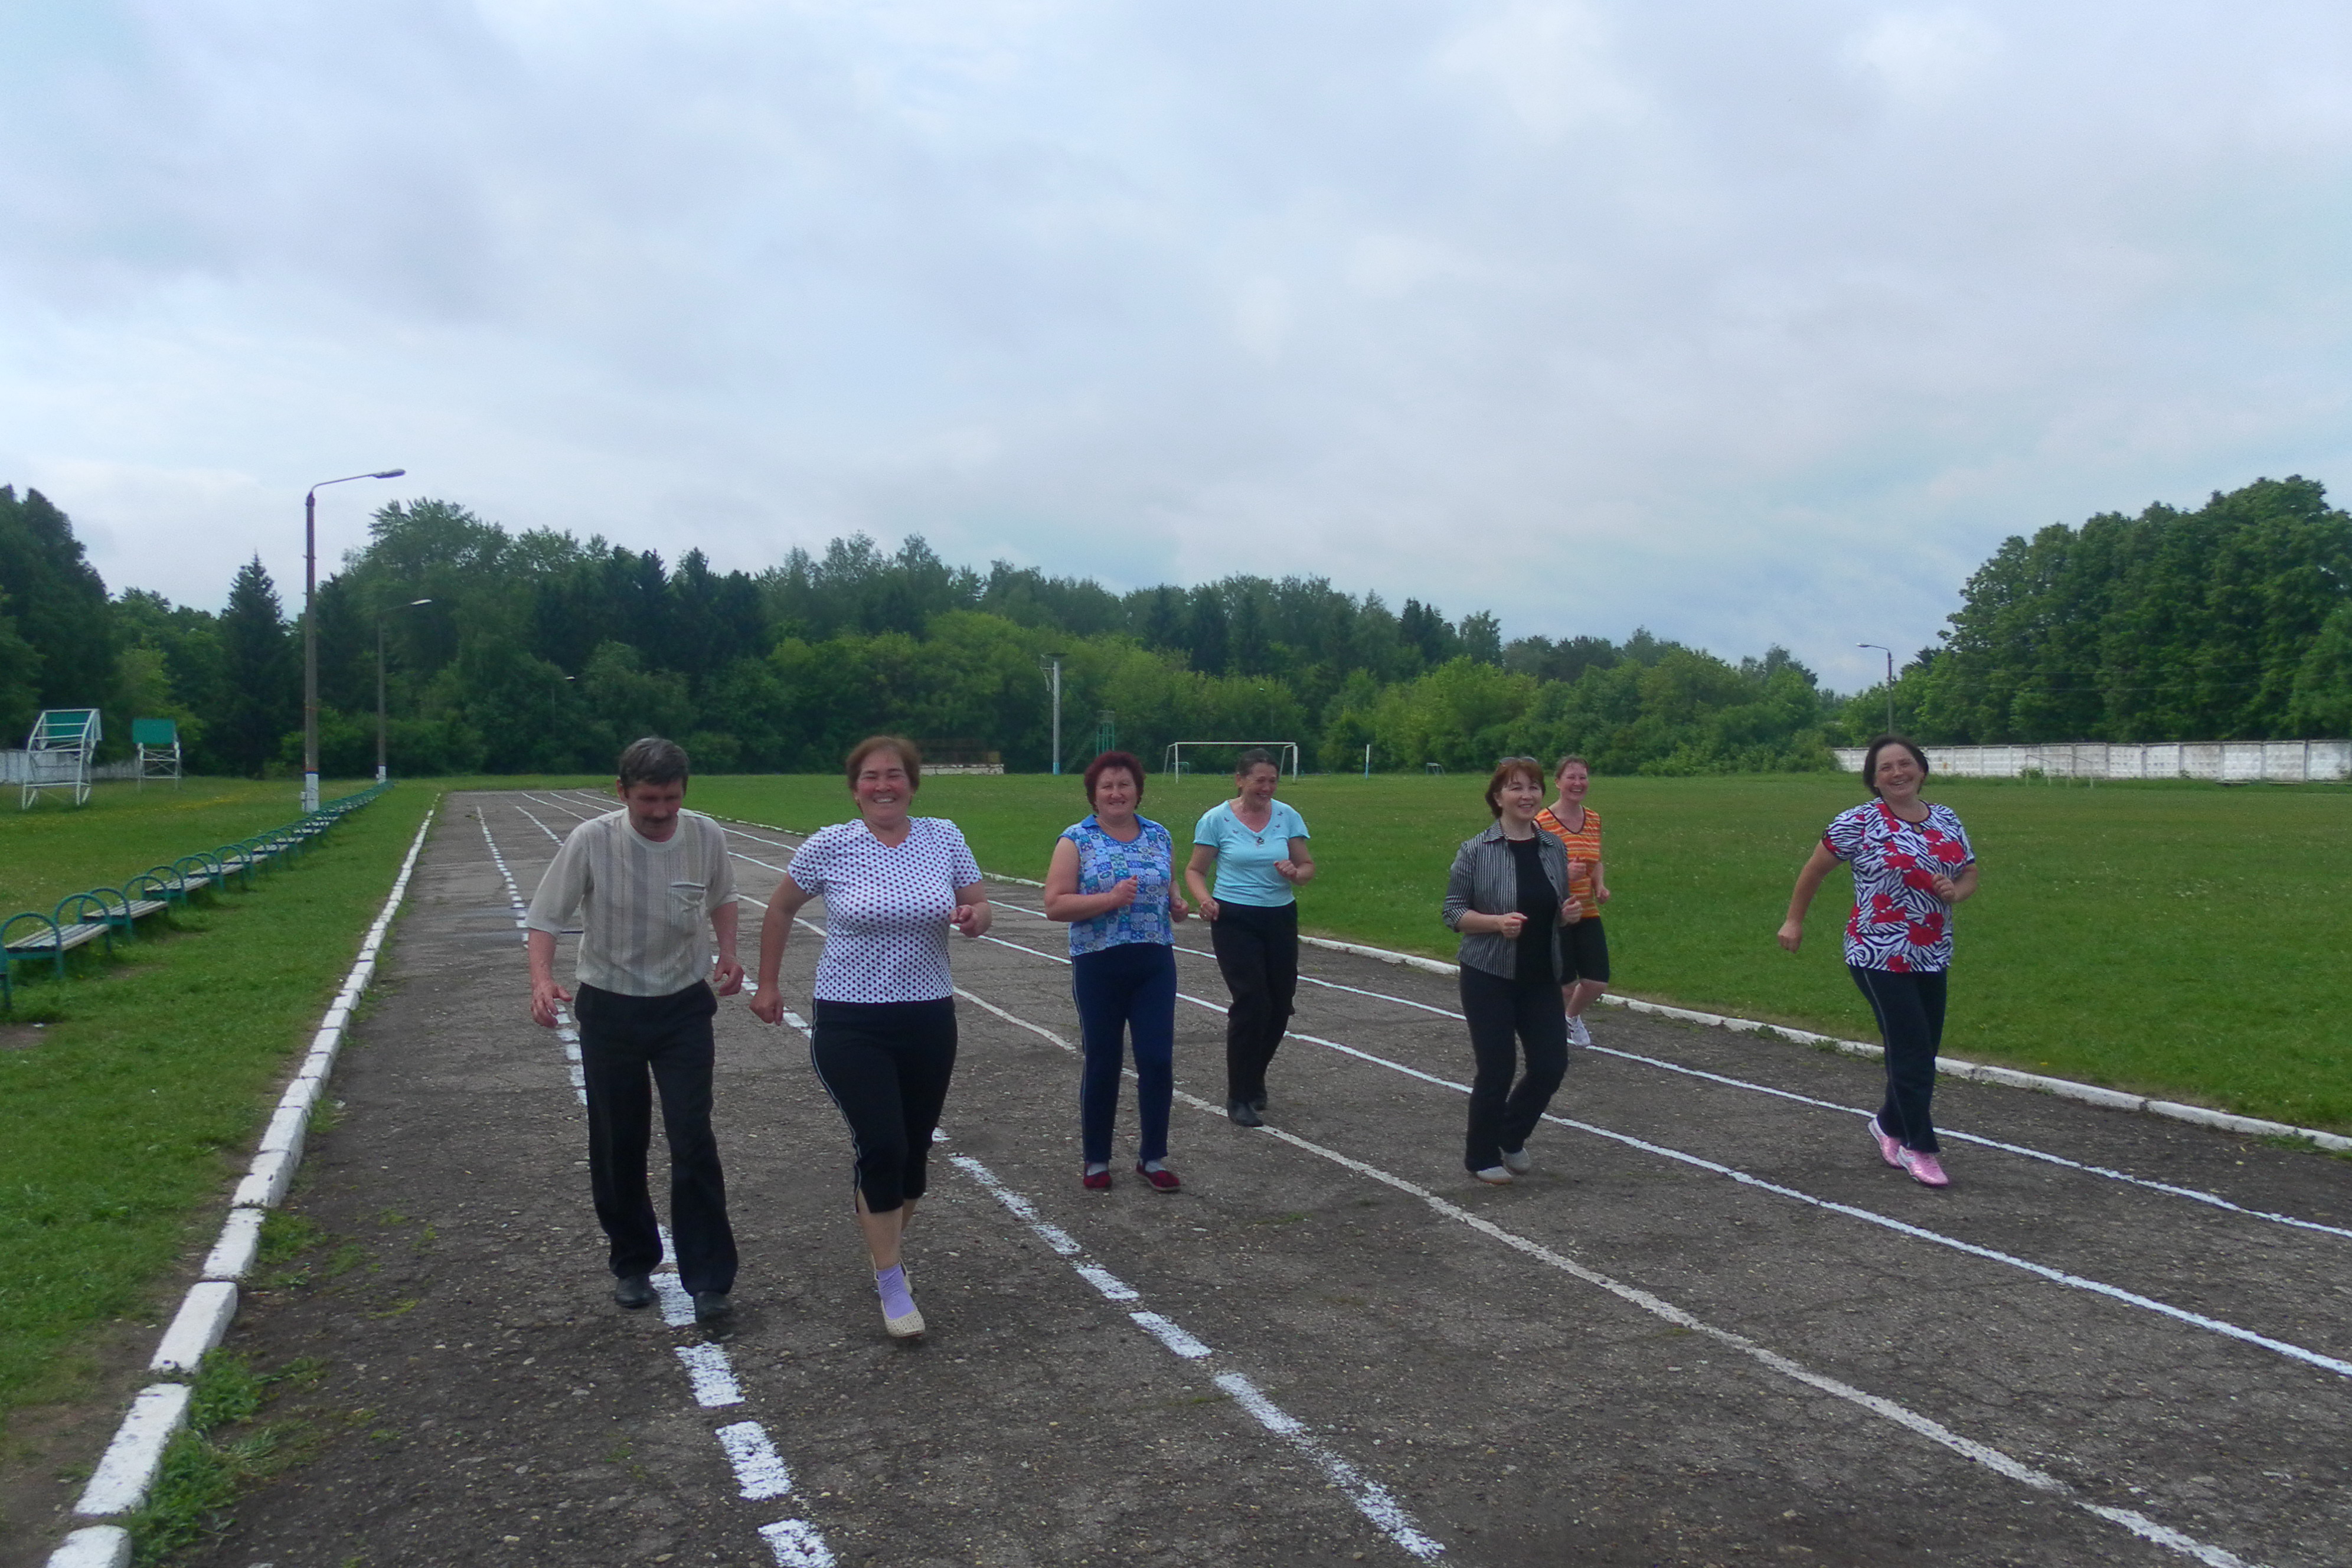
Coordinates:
(973, 914)
(1808, 883)
(1203, 861)
(727, 974)
(782, 905)
(545, 994)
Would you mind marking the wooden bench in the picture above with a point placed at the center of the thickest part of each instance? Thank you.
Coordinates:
(51, 934)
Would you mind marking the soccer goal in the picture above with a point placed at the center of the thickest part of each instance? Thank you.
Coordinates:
(1176, 763)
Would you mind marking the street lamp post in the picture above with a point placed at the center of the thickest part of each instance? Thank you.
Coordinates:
(1890, 680)
(311, 631)
(380, 615)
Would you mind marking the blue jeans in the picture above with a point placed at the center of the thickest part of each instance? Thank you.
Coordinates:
(1126, 990)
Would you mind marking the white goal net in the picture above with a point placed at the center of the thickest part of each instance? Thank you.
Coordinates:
(1187, 755)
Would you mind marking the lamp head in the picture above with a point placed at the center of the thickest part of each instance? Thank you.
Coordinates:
(389, 474)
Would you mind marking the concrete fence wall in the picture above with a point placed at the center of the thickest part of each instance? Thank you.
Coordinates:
(17, 766)
(2227, 762)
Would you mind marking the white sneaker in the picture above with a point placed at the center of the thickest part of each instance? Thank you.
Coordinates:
(1494, 1176)
(1518, 1161)
(1577, 1034)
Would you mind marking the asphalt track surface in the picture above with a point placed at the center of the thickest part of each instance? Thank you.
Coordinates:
(1710, 1327)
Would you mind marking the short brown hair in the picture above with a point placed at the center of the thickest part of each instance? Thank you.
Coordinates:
(1108, 761)
(1568, 761)
(1870, 758)
(653, 760)
(1504, 773)
(910, 758)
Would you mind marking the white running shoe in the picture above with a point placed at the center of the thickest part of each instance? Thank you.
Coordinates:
(1518, 1161)
(1577, 1034)
(1494, 1176)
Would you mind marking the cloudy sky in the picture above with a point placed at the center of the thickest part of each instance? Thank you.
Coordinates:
(1750, 323)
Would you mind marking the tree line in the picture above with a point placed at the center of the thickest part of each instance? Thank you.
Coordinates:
(2231, 622)
(536, 651)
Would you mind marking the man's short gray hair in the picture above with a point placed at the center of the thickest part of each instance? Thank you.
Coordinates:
(653, 760)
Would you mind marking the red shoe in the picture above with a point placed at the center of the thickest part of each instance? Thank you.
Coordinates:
(1163, 1179)
(1095, 1181)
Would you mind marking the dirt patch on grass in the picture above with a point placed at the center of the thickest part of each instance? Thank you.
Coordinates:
(21, 1036)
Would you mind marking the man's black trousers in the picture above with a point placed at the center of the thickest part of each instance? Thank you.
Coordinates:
(630, 1047)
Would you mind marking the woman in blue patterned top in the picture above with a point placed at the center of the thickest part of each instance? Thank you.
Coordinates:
(1113, 879)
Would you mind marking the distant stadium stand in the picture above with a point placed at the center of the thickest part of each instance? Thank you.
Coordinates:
(58, 753)
(157, 741)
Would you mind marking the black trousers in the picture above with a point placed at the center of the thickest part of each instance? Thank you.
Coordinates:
(887, 1065)
(1123, 991)
(629, 1047)
(1910, 1008)
(1506, 1015)
(1257, 952)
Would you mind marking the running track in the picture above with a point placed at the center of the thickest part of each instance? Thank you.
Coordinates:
(1710, 1327)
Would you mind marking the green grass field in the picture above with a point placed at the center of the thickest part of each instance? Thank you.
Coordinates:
(2176, 939)
(130, 1111)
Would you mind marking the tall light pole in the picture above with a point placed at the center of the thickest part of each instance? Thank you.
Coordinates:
(1890, 680)
(380, 615)
(1053, 667)
(311, 631)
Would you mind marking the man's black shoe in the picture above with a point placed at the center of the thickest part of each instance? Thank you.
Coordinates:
(1243, 1113)
(712, 1310)
(633, 1291)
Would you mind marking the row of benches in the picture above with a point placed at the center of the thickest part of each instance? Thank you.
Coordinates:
(102, 914)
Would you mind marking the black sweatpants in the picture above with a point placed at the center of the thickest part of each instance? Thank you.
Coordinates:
(1910, 1008)
(1506, 1015)
(629, 1047)
(1257, 952)
(887, 1065)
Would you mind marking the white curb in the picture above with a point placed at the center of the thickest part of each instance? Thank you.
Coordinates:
(239, 1244)
(129, 1466)
(94, 1546)
(203, 1318)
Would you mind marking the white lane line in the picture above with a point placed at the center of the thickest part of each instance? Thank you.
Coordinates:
(2193, 1194)
(760, 1471)
(795, 1543)
(1373, 1500)
(712, 1375)
(1991, 1458)
(2320, 1359)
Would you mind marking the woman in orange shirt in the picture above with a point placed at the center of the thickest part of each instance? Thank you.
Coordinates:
(1584, 950)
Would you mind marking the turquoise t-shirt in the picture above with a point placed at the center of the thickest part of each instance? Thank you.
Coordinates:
(1246, 873)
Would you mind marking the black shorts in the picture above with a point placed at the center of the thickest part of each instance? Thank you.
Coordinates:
(1585, 950)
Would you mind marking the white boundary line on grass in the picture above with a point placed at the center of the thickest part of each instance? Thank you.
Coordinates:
(129, 1466)
(1991, 1458)
(761, 1473)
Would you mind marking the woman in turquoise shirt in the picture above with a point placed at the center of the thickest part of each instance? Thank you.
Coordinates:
(1258, 847)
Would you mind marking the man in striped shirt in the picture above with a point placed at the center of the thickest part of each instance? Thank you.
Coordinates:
(648, 879)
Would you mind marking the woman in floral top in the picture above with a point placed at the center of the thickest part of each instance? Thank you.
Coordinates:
(1911, 864)
(1112, 879)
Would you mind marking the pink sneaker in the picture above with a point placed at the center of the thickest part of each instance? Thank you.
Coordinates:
(1926, 1169)
(1889, 1149)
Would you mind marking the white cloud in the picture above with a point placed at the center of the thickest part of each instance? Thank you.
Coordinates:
(1747, 323)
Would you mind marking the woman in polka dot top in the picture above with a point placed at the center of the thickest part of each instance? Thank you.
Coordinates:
(884, 1044)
